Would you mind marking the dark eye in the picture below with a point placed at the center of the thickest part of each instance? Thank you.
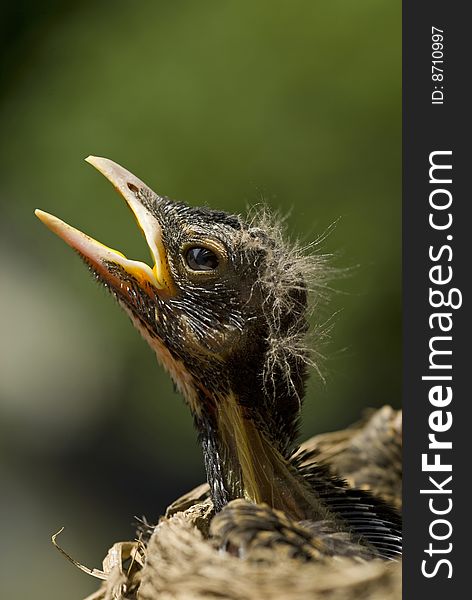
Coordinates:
(201, 259)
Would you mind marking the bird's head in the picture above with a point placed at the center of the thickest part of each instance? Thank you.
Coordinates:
(223, 306)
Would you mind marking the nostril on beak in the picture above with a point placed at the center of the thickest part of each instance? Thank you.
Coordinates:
(132, 188)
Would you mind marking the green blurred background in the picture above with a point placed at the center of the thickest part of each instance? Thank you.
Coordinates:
(214, 102)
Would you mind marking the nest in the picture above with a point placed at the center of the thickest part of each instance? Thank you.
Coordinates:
(180, 563)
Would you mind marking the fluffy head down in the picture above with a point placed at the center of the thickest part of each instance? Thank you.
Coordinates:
(293, 282)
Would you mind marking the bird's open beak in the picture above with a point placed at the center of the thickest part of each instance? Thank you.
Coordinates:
(100, 257)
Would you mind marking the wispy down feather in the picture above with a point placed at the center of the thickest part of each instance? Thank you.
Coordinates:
(294, 281)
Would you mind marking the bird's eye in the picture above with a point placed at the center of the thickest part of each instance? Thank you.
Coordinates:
(201, 259)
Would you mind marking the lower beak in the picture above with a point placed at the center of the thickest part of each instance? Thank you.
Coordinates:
(103, 259)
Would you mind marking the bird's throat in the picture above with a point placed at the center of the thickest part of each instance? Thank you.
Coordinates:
(240, 460)
(244, 464)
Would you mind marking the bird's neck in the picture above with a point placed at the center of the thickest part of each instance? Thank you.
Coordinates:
(242, 463)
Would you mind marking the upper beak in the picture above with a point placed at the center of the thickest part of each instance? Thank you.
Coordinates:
(100, 256)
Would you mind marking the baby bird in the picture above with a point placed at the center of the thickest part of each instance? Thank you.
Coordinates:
(224, 306)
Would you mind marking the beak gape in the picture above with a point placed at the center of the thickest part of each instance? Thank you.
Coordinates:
(99, 256)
